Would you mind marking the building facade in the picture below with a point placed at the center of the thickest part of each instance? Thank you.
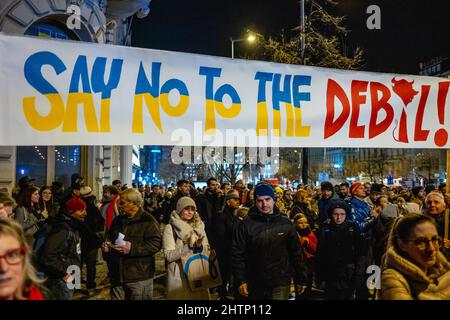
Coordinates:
(98, 21)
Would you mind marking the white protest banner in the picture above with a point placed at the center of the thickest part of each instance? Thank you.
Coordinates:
(57, 92)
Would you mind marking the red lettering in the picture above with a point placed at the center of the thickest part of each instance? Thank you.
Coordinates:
(334, 90)
(357, 100)
(419, 134)
(375, 128)
(403, 129)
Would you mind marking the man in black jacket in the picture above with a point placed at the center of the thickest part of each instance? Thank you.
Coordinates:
(223, 231)
(265, 251)
(209, 205)
(132, 257)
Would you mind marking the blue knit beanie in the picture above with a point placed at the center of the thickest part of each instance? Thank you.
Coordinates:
(264, 189)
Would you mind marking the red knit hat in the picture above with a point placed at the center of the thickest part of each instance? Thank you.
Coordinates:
(354, 186)
(74, 204)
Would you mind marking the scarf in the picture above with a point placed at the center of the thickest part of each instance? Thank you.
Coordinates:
(187, 232)
(304, 232)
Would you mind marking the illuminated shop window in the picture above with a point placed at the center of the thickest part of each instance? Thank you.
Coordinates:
(32, 161)
(67, 162)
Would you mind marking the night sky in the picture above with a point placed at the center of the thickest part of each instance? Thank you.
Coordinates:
(411, 31)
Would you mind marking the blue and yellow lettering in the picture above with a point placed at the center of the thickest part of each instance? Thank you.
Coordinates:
(282, 95)
(150, 93)
(152, 96)
(180, 109)
(99, 85)
(33, 74)
(215, 101)
(75, 98)
(300, 80)
(262, 117)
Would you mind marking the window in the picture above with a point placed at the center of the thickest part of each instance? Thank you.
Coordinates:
(67, 162)
(32, 161)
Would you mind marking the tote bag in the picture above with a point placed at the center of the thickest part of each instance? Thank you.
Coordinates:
(201, 270)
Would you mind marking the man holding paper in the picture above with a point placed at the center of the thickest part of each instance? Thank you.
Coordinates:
(133, 240)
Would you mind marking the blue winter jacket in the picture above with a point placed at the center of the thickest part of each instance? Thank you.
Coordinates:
(360, 214)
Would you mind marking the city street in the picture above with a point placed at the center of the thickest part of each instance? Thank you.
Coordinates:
(102, 291)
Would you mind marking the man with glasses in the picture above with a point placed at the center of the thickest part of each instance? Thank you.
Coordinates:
(133, 240)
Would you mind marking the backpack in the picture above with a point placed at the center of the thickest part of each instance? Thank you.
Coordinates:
(41, 237)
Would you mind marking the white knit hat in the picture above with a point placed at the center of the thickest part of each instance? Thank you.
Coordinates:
(185, 202)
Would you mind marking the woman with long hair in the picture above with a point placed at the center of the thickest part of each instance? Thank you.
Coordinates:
(414, 267)
(49, 207)
(28, 213)
(184, 234)
(18, 280)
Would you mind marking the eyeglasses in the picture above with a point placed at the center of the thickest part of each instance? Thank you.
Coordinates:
(424, 243)
(14, 256)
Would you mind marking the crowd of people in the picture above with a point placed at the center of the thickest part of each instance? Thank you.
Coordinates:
(270, 242)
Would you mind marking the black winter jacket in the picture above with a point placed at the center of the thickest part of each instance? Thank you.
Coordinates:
(223, 233)
(145, 237)
(208, 206)
(265, 251)
(338, 249)
(61, 248)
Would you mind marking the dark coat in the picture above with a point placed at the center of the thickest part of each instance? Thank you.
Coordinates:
(91, 227)
(152, 204)
(223, 234)
(323, 205)
(338, 250)
(166, 205)
(60, 249)
(145, 236)
(208, 206)
(265, 251)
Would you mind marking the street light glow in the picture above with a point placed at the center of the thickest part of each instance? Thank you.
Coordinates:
(251, 38)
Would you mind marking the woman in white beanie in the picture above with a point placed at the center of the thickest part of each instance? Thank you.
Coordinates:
(184, 234)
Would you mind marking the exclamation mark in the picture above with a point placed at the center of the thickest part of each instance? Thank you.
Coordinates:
(441, 136)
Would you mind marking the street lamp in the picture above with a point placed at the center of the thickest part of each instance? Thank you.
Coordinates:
(250, 38)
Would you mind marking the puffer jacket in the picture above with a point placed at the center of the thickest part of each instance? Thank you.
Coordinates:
(265, 251)
(145, 236)
(401, 279)
(360, 214)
